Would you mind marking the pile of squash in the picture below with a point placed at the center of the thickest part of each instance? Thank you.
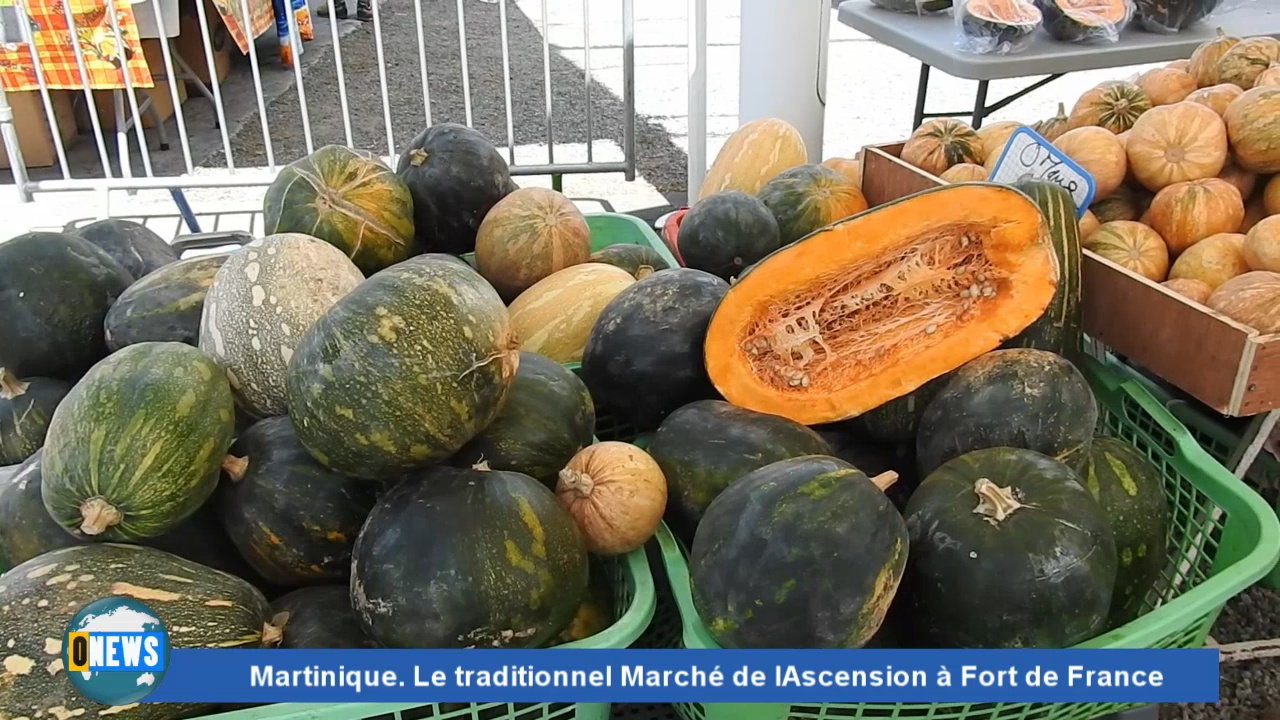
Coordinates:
(1186, 164)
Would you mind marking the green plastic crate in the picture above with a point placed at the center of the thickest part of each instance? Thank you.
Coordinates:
(1222, 538)
(620, 229)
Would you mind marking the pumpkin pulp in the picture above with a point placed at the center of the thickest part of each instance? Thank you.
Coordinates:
(873, 307)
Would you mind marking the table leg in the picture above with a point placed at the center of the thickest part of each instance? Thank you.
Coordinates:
(922, 92)
(980, 104)
(1255, 437)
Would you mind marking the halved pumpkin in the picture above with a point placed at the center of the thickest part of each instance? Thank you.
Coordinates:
(1085, 20)
(874, 306)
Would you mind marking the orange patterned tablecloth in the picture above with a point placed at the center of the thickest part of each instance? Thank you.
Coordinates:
(232, 12)
(43, 24)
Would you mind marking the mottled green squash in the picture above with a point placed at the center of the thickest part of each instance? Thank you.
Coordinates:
(215, 610)
(164, 306)
(1008, 550)
(639, 260)
(802, 553)
(546, 419)
(1020, 398)
(404, 371)
(134, 448)
(727, 232)
(55, 291)
(462, 558)
(133, 245)
(320, 618)
(809, 197)
(26, 407)
(1131, 492)
(292, 519)
(707, 445)
(347, 198)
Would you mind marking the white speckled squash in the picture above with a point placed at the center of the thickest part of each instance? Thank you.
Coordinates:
(262, 300)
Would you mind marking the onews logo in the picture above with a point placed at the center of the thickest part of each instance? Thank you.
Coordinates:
(116, 651)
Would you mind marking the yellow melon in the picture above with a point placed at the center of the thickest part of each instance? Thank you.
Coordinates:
(554, 317)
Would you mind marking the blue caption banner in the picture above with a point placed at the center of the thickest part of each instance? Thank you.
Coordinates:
(706, 676)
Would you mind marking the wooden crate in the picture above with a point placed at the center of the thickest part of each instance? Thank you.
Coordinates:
(1221, 363)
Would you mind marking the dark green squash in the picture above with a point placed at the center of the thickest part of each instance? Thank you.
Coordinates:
(403, 371)
(546, 419)
(134, 448)
(876, 458)
(460, 558)
(455, 177)
(214, 610)
(1008, 550)
(898, 420)
(1089, 21)
(26, 407)
(1131, 492)
(320, 618)
(1020, 398)
(917, 7)
(292, 519)
(727, 232)
(26, 530)
(1172, 16)
(639, 260)
(1059, 329)
(802, 553)
(55, 291)
(644, 357)
(164, 306)
(134, 246)
(707, 445)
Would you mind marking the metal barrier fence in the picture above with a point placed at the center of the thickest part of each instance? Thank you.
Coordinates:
(347, 123)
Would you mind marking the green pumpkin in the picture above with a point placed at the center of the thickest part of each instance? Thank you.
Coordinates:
(639, 260)
(131, 244)
(462, 558)
(134, 448)
(1008, 550)
(547, 418)
(26, 408)
(802, 553)
(807, 198)
(347, 198)
(404, 371)
(1131, 492)
(726, 233)
(1059, 329)
(164, 306)
(320, 618)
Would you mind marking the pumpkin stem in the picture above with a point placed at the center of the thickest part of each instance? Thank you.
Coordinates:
(1062, 110)
(10, 386)
(579, 482)
(995, 502)
(98, 515)
(235, 467)
(273, 629)
(482, 466)
(885, 480)
(644, 271)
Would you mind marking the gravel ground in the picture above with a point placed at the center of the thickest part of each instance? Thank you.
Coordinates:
(1250, 689)
(660, 161)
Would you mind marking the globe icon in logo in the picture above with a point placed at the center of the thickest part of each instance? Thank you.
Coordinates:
(103, 620)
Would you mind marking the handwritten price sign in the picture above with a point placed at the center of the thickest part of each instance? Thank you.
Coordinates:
(1029, 156)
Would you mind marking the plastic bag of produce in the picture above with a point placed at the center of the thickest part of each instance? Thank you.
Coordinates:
(1174, 16)
(996, 26)
(916, 7)
(1086, 21)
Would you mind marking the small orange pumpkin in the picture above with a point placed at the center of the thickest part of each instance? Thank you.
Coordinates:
(1262, 245)
(1213, 261)
(1194, 290)
(1183, 65)
(1251, 299)
(1133, 246)
(1269, 77)
(1216, 97)
(1247, 59)
(1242, 179)
(1114, 105)
(1098, 152)
(1176, 143)
(616, 493)
(1188, 212)
(1203, 65)
(1254, 213)
(1052, 128)
(1088, 224)
(1271, 196)
(850, 168)
(940, 143)
(993, 137)
(1253, 124)
(965, 172)
(1166, 85)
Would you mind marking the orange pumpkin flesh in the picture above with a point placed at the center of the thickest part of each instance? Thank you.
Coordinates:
(616, 494)
(872, 307)
(1251, 299)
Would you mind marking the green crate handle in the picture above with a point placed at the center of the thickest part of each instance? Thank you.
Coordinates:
(1116, 383)
(628, 628)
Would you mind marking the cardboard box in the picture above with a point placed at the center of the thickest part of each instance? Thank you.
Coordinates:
(34, 136)
(161, 96)
(1231, 368)
(190, 42)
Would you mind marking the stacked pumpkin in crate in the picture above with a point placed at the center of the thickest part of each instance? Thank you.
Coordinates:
(1186, 163)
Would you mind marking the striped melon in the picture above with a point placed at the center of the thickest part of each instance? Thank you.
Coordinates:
(753, 155)
(262, 300)
(554, 317)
